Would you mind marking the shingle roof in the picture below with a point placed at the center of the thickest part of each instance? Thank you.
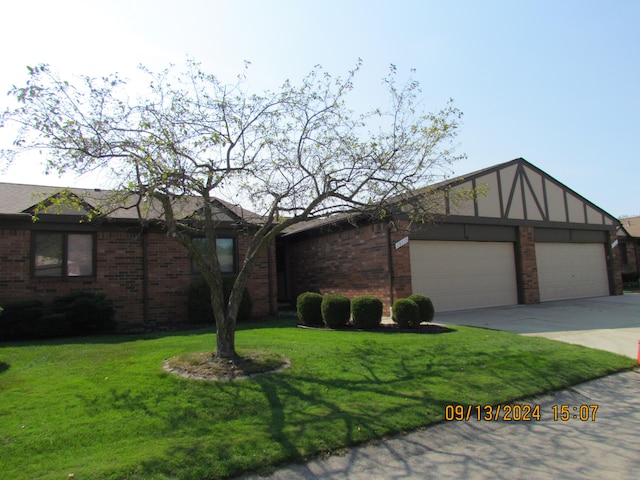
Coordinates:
(452, 182)
(631, 225)
(16, 199)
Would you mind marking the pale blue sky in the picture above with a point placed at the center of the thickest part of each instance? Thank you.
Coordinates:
(555, 82)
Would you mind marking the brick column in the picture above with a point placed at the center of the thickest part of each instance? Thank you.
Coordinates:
(526, 267)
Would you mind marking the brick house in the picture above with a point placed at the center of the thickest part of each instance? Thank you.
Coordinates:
(629, 245)
(144, 272)
(527, 239)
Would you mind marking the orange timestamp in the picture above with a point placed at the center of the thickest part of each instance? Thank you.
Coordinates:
(518, 413)
(505, 413)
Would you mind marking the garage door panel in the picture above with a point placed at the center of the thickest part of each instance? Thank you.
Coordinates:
(463, 275)
(571, 270)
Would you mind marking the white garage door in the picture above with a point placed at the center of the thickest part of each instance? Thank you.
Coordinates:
(571, 270)
(461, 275)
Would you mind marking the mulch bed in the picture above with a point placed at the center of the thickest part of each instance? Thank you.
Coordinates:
(385, 328)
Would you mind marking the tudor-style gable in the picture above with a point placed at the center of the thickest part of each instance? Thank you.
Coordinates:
(519, 192)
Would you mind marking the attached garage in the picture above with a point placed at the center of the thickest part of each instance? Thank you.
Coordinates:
(464, 275)
(500, 236)
(571, 270)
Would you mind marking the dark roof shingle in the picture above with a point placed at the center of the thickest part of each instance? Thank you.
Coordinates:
(16, 199)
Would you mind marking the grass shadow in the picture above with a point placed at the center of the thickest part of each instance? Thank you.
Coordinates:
(106, 339)
(427, 328)
(116, 338)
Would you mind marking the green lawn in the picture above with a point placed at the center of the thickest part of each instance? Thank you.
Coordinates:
(102, 408)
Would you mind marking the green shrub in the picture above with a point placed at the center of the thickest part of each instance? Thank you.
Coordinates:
(20, 320)
(631, 281)
(309, 309)
(366, 312)
(77, 313)
(199, 301)
(54, 325)
(425, 305)
(85, 312)
(406, 313)
(335, 310)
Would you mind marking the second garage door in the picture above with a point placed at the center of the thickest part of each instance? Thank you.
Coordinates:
(463, 275)
(571, 270)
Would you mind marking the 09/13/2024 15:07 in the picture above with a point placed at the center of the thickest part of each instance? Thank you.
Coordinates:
(518, 412)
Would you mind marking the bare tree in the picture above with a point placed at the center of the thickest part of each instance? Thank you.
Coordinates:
(292, 155)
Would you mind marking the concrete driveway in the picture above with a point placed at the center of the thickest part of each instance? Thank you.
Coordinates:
(605, 448)
(607, 323)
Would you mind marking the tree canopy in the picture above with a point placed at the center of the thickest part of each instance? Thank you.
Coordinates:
(289, 155)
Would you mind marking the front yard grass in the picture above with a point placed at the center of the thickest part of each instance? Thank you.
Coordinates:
(103, 408)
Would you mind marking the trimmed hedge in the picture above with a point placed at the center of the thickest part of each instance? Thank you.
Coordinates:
(309, 308)
(86, 312)
(427, 312)
(406, 313)
(366, 312)
(20, 320)
(335, 310)
(199, 301)
(78, 313)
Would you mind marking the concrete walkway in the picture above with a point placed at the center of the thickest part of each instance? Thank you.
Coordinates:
(608, 447)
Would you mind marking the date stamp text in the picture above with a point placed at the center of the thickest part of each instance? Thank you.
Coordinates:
(519, 413)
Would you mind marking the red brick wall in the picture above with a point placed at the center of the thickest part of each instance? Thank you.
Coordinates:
(527, 266)
(14, 262)
(631, 247)
(120, 274)
(169, 278)
(262, 282)
(351, 262)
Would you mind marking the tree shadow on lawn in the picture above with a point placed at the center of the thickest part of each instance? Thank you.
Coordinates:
(296, 415)
(325, 424)
(301, 413)
(394, 395)
(4, 367)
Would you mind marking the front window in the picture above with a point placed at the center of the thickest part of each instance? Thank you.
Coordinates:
(63, 254)
(226, 250)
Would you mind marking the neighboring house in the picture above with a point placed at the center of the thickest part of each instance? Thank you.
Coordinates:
(527, 239)
(144, 272)
(629, 245)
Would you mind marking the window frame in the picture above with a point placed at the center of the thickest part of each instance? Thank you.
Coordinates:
(64, 274)
(234, 270)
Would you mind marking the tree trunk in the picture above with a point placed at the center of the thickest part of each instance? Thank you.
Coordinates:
(226, 339)
(225, 324)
